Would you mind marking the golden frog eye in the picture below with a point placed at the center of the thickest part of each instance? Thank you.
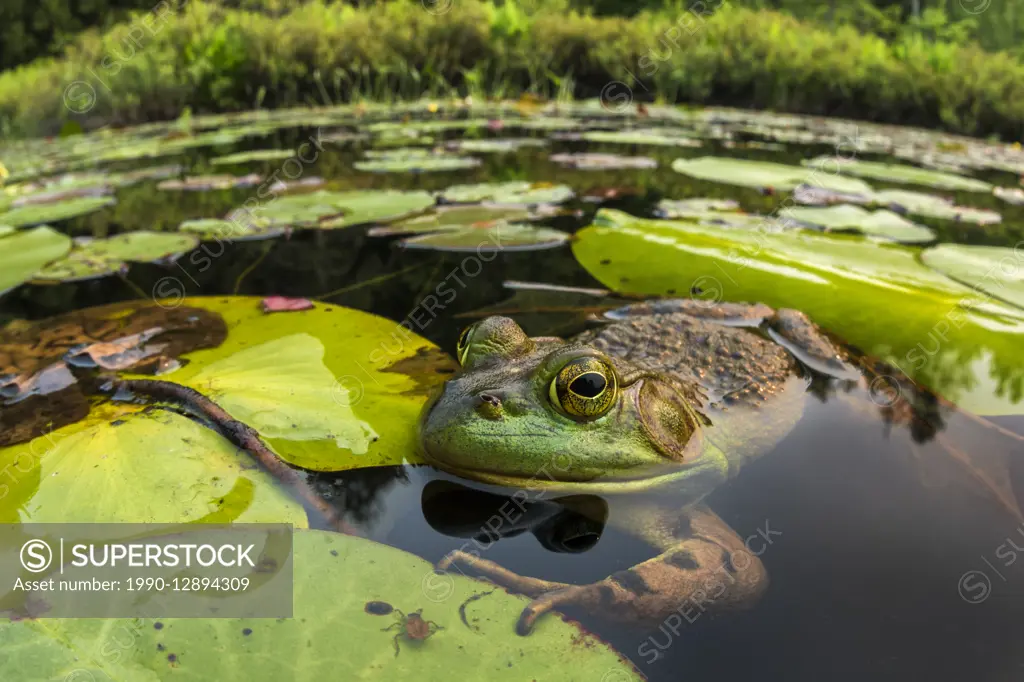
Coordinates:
(462, 347)
(584, 389)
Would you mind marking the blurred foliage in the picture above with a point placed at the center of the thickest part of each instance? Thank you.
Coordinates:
(848, 58)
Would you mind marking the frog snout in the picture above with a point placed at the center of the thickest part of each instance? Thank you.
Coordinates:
(488, 405)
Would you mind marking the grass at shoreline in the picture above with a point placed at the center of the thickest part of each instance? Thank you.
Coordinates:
(213, 59)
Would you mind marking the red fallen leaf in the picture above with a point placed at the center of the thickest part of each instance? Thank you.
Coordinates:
(283, 304)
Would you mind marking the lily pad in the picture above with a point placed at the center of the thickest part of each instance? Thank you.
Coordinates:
(205, 183)
(495, 146)
(473, 616)
(995, 270)
(98, 257)
(891, 172)
(6, 230)
(54, 212)
(876, 296)
(934, 207)
(512, 193)
(883, 224)
(374, 206)
(693, 208)
(1011, 195)
(24, 253)
(413, 160)
(641, 137)
(215, 229)
(763, 174)
(456, 217)
(255, 155)
(594, 161)
(490, 237)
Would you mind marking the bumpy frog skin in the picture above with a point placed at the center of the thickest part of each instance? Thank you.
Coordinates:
(674, 394)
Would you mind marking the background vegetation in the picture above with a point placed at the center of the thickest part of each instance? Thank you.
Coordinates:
(924, 62)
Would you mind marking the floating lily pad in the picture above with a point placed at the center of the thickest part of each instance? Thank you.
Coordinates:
(495, 146)
(1011, 195)
(473, 616)
(883, 224)
(413, 160)
(490, 237)
(447, 218)
(508, 193)
(5, 230)
(891, 172)
(54, 212)
(24, 253)
(693, 208)
(876, 296)
(204, 183)
(255, 155)
(593, 161)
(640, 137)
(98, 257)
(330, 210)
(934, 207)
(374, 206)
(995, 270)
(215, 229)
(763, 174)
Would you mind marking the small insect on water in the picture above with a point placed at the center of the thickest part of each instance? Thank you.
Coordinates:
(412, 627)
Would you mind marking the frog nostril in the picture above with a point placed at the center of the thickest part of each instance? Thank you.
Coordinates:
(490, 399)
(488, 406)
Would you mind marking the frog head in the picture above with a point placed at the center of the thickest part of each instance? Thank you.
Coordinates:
(542, 413)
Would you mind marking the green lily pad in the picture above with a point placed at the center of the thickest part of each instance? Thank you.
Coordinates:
(593, 161)
(255, 155)
(54, 212)
(6, 230)
(471, 615)
(98, 257)
(457, 217)
(22, 254)
(844, 217)
(641, 137)
(891, 172)
(693, 208)
(205, 183)
(1011, 195)
(995, 270)
(513, 193)
(215, 229)
(375, 206)
(490, 237)
(931, 206)
(763, 174)
(495, 146)
(413, 160)
(879, 297)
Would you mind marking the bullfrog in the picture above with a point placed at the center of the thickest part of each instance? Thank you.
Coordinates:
(672, 395)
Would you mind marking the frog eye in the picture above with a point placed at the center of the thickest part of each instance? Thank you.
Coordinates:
(584, 389)
(462, 347)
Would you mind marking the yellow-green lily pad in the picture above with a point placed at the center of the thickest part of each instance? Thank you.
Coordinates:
(255, 155)
(22, 254)
(844, 217)
(490, 237)
(337, 638)
(962, 344)
(413, 160)
(98, 257)
(894, 172)
(37, 214)
(764, 174)
(515, 192)
(995, 270)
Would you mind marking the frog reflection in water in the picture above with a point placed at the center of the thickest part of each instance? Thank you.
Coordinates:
(675, 395)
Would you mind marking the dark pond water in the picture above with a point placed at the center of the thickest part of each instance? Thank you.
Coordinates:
(888, 559)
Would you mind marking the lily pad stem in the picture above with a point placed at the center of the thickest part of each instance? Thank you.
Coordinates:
(243, 436)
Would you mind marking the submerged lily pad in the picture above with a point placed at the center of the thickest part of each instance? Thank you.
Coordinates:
(995, 270)
(891, 172)
(472, 615)
(515, 192)
(764, 174)
(883, 224)
(490, 237)
(594, 161)
(413, 160)
(255, 155)
(878, 297)
(98, 257)
(24, 253)
(56, 211)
